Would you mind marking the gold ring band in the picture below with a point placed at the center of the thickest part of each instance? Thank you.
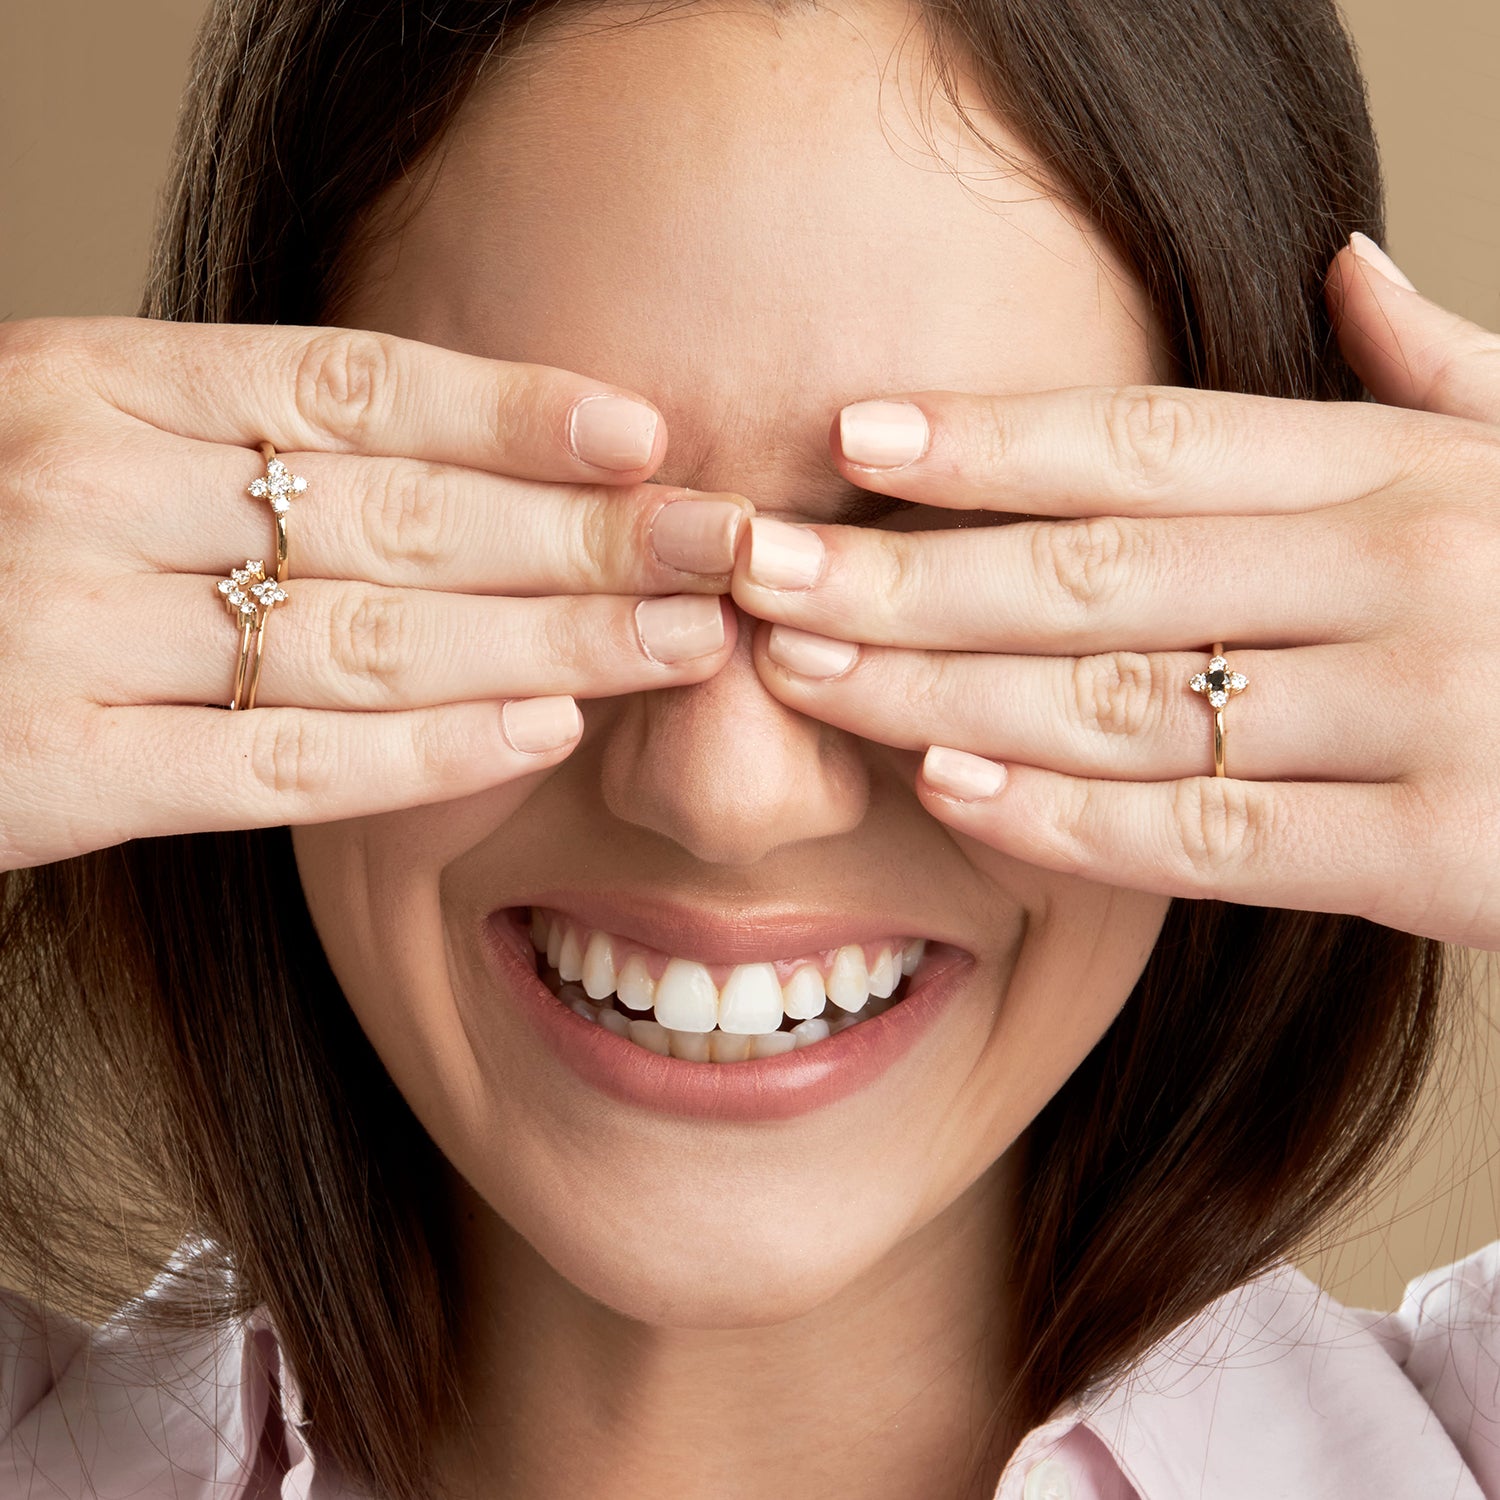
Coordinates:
(248, 593)
(249, 596)
(277, 485)
(1219, 684)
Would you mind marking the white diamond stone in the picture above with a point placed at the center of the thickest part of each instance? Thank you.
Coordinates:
(1218, 699)
(1238, 681)
(1199, 683)
(279, 504)
(258, 488)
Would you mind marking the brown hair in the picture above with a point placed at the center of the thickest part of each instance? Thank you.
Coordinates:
(166, 1007)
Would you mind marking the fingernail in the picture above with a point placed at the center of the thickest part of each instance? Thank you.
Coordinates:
(680, 627)
(964, 777)
(612, 432)
(783, 556)
(697, 536)
(882, 434)
(809, 655)
(1372, 255)
(536, 725)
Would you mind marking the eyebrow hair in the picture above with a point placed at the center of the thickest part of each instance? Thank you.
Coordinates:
(856, 507)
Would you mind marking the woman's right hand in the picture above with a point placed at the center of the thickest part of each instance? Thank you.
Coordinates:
(457, 573)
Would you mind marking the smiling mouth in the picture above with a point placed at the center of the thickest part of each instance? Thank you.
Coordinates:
(678, 1007)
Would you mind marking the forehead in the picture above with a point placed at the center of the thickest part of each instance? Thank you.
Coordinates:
(751, 219)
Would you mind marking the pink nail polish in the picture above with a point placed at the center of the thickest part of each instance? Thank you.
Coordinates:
(697, 536)
(783, 556)
(964, 777)
(612, 432)
(537, 725)
(680, 628)
(809, 655)
(1372, 255)
(883, 434)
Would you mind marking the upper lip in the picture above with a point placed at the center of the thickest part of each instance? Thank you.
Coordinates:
(732, 932)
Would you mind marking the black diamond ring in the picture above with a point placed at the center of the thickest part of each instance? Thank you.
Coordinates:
(1218, 683)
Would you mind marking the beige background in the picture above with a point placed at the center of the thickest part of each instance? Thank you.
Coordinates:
(88, 95)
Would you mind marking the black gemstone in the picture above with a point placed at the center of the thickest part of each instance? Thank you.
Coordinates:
(1218, 681)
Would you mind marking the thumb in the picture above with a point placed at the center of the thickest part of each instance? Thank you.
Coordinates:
(1407, 350)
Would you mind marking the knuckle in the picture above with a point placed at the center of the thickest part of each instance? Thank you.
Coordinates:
(1215, 825)
(1117, 693)
(563, 637)
(342, 383)
(410, 516)
(370, 638)
(1148, 430)
(990, 439)
(902, 567)
(1082, 561)
(602, 541)
(291, 754)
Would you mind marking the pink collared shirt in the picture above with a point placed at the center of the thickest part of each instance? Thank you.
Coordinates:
(1274, 1392)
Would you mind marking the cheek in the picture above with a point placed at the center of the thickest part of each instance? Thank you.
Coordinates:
(1077, 961)
(374, 890)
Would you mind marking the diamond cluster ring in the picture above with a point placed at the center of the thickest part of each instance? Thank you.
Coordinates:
(248, 593)
(1219, 683)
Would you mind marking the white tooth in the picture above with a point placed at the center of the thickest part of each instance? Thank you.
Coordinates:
(806, 1033)
(843, 1023)
(750, 1002)
(884, 976)
(635, 986)
(802, 995)
(650, 1035)
(692, 1045)
(538, 930)
(554, 941)
(686, 997)
(726, 1046)
(772, 1044)
(570, 956)
(911, 955)
(611, 1020)
(848, 980)
(599, 967)
(584, 1009)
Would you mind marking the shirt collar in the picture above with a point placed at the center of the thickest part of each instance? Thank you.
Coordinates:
(1275, 1389)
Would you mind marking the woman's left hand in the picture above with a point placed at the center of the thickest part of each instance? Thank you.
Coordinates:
(1347, 553)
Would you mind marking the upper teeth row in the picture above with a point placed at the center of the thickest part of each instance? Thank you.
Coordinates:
(751, 1000)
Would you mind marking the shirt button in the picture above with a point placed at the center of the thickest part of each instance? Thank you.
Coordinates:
(1048, 1480)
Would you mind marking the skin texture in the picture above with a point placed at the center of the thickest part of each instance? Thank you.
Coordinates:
(663, 1307)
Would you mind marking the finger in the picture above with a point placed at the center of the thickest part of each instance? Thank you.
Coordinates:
(1134, 450)
(198, 771)
(351, 390)
(399, 521)
(354, 646)
(1314, 714)
(1408, 350)
(1315, 846)
(1079, 586)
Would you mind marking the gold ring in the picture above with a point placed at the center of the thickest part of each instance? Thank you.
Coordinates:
(249, 596)
(1218, 683)
(278, 485)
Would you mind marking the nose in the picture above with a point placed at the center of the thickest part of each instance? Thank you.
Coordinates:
(728, 772)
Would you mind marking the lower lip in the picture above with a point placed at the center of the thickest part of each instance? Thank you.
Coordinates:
(765, 1088)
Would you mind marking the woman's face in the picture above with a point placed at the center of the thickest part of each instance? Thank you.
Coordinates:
(751, 222)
